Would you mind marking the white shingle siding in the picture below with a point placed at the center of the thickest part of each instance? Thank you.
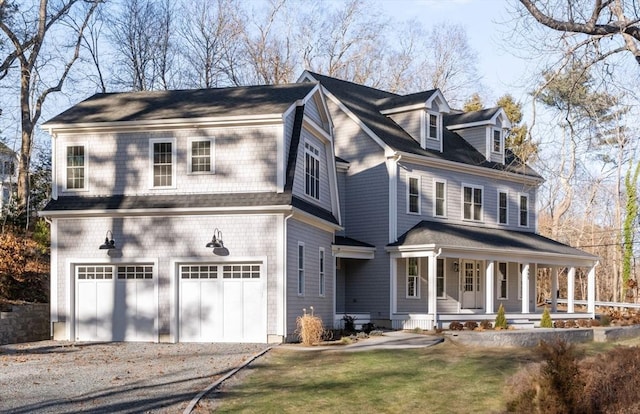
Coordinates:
(245, 161)
(167, 238)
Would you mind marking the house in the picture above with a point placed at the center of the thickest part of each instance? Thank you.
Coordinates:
(8, 174)
(220, 215)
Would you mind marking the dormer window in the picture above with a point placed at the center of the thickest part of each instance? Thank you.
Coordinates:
(497, 141)
(433, 126)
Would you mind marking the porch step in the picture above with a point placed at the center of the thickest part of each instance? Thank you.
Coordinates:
(522, 323)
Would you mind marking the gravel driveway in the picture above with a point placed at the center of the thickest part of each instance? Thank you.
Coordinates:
(64, 377)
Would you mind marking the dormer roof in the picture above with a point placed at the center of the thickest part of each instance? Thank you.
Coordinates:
(418, 100)
(470, 119)
(6, 150)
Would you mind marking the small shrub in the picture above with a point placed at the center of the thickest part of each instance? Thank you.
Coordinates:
(584, 323)
(595, 322)
(455, 326)
(368, 327)
(417, 330)
(471, 325)
(346, 340)
(309, 328)
(559, 324)
(570, 324)
(486, 325)
(546, 321)
(376, 332)
(605, 320)
(349, 323)
(501, 319)
(361, 335)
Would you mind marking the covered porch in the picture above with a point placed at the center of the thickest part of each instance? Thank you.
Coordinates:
(442, 273)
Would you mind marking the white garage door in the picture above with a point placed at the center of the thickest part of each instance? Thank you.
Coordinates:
(222, 303)
(115, 303)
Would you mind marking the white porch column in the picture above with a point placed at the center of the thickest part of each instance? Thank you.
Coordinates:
(393, 300)
(432, 290)
(554, 289)
(525, 288)
(591, 291)
(489, 286)
(571, 289)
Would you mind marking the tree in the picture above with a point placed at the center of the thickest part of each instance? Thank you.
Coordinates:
(474, 103)
(630, 223)
(518, 139)
(606, 28)
(41, 73)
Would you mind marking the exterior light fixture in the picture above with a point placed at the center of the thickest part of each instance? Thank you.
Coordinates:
(108, 242)
(456, 267)
(217, 244)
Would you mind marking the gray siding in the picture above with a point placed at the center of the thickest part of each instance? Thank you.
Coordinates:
(410, 122)
(314, 110)
(449, 304)
(366, 216)
(313, 238)
(245, 161)
(476, 136)
(164, 238)
(454, 184)
(412, 305)
(299, 180)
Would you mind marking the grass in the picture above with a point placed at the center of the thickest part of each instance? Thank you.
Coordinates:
(447, 378)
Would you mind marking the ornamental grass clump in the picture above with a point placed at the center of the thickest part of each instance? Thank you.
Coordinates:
(309, 328)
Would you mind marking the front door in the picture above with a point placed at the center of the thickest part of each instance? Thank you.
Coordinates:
(471, 284)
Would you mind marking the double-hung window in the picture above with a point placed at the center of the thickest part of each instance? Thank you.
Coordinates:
(524, 210)
(201, 156)
(413, 195)
(76, 163)
(502, 281)
(472, 203)
(433, 126)
(503, 207)
(497, 141)
(312, 171)
(162, 154)
(321, 272)
(413, 278)
(440, 198)
(300, 269)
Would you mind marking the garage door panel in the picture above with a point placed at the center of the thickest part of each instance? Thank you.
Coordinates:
(210, 310)
(255, 321)
(233, 311)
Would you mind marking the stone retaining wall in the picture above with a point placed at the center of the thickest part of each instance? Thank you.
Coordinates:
(25, 323)
(531, 337)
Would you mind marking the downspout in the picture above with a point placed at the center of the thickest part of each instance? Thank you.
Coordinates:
(433, 295)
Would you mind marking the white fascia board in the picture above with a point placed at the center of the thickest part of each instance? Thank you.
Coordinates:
(438, 94)
(472, 169)
(166, 211)
(168, 123)
(353, 252)
(342, 166)
(470, 125)
(406, 108)
(315, 221)
(316, 129)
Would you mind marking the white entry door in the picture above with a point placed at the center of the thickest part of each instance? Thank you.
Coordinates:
(471, 284)
(222, 303)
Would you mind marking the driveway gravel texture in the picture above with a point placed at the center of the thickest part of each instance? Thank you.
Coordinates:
(67, 377)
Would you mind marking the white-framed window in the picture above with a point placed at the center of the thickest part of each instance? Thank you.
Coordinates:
(496, 141)
(413, 278)
(162, 154)
(503, 207)
(300, 269)
(76, 167)
(6, 195)
(413, 195)
(8, 168)
(433, 125)
(201, 156)
(321, 272)
(503, 288)
(440, 198)
(523, 219)
(311, 171)
(440, 293)
(472, 202)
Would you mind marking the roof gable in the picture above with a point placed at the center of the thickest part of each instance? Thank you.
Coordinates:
(470, 119)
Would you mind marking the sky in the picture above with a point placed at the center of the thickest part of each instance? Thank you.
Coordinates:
(488, 31)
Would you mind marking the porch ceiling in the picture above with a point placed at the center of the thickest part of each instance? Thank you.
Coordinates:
(469, 239)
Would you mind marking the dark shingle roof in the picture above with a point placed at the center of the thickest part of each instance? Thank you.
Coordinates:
(404, 100)
(6, 150)
(470, 117)
(184, 201)
(473, 237)
(363, 102)
(348, 241)
(182, 104)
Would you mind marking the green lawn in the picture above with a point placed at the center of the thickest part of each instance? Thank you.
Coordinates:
(446, 378)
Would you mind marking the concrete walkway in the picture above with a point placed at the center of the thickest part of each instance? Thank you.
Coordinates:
(389, 340)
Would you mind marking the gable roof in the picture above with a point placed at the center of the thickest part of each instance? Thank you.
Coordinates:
(364, 102)
(183, 104)
(405, 100)
(471, 117)
(6, 150)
